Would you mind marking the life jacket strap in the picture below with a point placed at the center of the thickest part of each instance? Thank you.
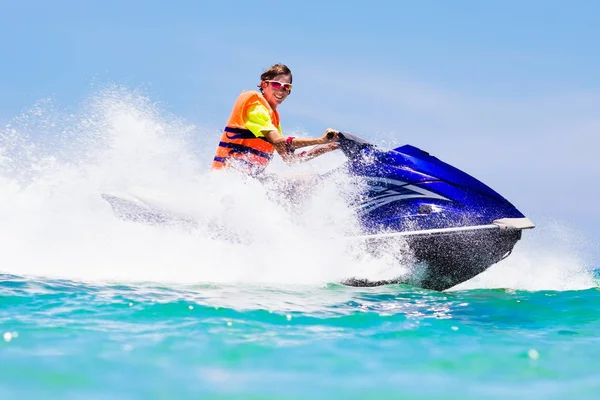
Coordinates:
(236, 148)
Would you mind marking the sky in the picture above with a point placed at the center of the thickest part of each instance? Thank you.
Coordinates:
(506, 90)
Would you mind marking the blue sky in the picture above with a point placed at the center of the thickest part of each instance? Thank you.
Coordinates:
(507, 90)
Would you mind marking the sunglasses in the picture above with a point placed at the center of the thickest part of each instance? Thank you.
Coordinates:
(278, 85)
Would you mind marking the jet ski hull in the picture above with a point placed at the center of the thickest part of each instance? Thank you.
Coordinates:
(441, 261)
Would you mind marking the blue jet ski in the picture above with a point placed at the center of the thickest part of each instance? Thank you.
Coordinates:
(454, 226)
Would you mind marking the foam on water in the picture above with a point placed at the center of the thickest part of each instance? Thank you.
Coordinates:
(550, 257)
(56, 224)
(54, 165)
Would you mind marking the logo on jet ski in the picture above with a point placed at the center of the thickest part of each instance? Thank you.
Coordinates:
(383, 191)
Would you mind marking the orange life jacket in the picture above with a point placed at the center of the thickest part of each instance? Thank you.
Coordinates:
(238, 145)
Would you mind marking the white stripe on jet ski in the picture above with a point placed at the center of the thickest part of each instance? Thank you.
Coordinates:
(500, 224)
(427, 232)
(386, 198)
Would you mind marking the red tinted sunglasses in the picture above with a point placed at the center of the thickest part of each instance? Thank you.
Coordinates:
(278, 85)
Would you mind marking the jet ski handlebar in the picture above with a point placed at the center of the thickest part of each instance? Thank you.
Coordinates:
(351, 145)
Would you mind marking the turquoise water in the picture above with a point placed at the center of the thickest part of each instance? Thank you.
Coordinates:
(69, 339)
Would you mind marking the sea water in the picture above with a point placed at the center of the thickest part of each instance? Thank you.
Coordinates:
(96, 307)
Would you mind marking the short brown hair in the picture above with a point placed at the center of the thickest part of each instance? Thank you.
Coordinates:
(273, 71)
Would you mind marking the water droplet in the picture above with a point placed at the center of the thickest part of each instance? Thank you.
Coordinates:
(533, 354)
(191, 307)
(289, 317)
(130, 304)
(8, 336)
(455, 328)
(229, 323)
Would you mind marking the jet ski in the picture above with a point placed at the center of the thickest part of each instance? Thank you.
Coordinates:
(454, 226)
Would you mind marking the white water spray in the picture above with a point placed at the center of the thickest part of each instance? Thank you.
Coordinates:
(54, 166)
(55, 223)
(550, 257)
